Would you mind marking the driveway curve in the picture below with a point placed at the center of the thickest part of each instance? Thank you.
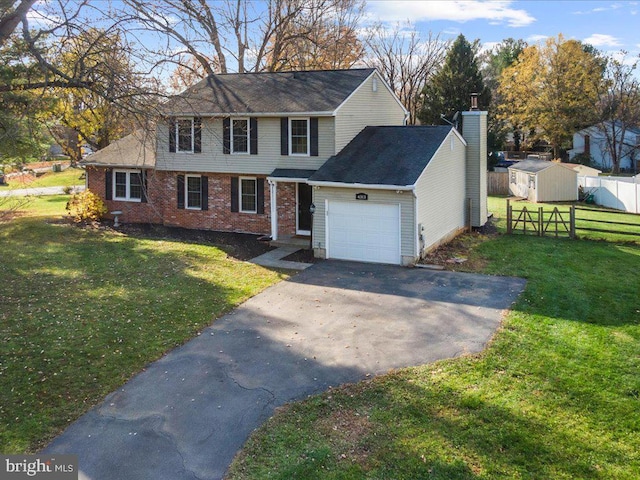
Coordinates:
(187, 414)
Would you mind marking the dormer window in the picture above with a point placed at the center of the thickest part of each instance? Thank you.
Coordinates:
(240, 135)
(299, 136)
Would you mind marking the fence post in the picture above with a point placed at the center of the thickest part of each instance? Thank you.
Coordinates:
(572, 220)
(540, 222)
(508, 217)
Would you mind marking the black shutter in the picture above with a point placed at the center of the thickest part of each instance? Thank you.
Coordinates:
(180, 190)
(314, 136)
(253, 136)
(260, 195)
(143, 180)
(226, 135)
(234, 194)
(108, 184)
(197, 135)
(172, 134)
(284, 136)
(204, 190)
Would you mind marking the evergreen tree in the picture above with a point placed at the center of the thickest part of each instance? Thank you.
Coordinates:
(450, 89)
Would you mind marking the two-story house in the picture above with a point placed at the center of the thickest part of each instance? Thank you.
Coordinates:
(259, 153)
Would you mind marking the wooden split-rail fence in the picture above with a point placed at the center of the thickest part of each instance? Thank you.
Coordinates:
(562, 222)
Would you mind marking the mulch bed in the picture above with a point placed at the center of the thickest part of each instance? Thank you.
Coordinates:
(302, 256)
(242, 246)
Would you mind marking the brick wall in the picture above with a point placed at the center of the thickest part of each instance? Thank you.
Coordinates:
(286, 206)
(162, 205)
(132, 212)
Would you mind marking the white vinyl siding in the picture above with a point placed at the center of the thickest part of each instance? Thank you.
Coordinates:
(366, 107)
(441, 192)
(404, 199)
(212, 158)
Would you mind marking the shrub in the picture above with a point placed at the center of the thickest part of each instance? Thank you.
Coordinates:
(86, 206)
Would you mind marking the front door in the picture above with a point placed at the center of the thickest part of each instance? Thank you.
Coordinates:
(303, 218)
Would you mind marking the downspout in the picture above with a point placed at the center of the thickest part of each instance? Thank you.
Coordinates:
(417, 227)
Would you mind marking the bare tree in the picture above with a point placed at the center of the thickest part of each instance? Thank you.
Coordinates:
(11, 14)
(619, 111)
(242, 36)
(405, 60)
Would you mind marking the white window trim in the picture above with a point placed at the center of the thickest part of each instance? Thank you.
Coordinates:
(308, 154)
(177, 135)
(248, 136)
(255, 181)
(126, 198)
(186, 192)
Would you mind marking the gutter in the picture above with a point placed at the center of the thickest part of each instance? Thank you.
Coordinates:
(250, 114)
(398, 188)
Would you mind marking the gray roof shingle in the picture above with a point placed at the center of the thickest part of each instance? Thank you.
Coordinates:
(261, 93)
(389, 155)
(135, 150)
(532, 166)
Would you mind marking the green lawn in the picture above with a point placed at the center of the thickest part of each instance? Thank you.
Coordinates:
(555, 396)
(83, 310)
(67, 178)
(585, 217)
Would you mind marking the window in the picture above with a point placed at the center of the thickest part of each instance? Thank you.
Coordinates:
(240, 136)
(248, 195)
(193, 192)
(532, 181)
(299, 136)
(127, 185)
(184, 135)
(513, 177)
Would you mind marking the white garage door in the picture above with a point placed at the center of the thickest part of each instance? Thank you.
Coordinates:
(366, 232)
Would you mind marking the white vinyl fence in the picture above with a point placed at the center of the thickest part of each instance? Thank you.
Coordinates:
(621, 193)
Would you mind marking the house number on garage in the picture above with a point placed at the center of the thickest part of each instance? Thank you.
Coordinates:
(362, 196)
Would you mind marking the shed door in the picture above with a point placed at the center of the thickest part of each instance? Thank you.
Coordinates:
(365, 232)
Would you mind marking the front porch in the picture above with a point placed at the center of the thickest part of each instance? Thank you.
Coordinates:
(291, 199)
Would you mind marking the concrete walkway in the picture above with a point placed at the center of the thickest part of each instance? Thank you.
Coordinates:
(273, 259)
(37, 191)
(186, 416)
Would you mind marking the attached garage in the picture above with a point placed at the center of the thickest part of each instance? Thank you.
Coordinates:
(393, 193)
(361, 231)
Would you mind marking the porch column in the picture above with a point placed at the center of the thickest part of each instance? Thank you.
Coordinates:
(273, 189)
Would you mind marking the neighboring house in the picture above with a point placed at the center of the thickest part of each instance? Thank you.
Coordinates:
(253, 153)
(543, 181)
(592, 141)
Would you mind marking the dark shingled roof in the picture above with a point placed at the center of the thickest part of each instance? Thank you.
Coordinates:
(135, 150)
(292, 173)
(279, 92)
(394, 155)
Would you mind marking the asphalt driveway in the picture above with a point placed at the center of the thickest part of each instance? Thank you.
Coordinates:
(187, 414)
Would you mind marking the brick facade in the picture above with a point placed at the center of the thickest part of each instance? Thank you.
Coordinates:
(162, 205)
